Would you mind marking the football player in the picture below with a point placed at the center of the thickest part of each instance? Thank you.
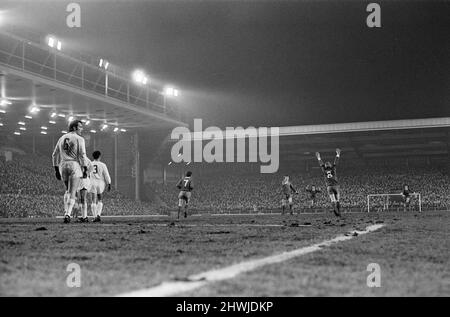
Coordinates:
(406, 194)
(312, 194)
(69, 160)
(288, 189)
(185, 185)
(100, 180)
(84, 188)
(329, 171)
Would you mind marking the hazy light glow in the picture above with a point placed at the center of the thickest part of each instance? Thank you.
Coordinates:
(21, 123)
(44, 128)
(140, 77)
(17, 133)
(93, 131)
(51, 42)
(43, 132)
(123, 130)
(2, 111)
(171, 92)
(62, 115)
(34, 109)
(116, 129)
(52, 122)
(23, 128)
(53, 114)
(70, 119)
(29, 117)
(64, 131)
(5, 102)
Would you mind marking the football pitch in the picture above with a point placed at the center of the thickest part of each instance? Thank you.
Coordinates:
(229, 255)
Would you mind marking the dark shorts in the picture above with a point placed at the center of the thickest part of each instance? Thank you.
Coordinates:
(333, 190)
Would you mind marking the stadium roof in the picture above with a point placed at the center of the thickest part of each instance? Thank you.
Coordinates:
(362, 140)
(35, 77)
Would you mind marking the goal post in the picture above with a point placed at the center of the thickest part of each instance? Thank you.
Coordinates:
(387, 200)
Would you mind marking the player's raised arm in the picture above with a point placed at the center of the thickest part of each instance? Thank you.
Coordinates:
(338, 155)
(319, 159)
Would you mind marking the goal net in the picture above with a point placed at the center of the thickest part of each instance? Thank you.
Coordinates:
(393, 202)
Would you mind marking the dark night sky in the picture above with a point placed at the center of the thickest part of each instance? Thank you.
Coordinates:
(269, 63)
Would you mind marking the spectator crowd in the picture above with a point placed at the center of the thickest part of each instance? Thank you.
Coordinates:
(28, 188)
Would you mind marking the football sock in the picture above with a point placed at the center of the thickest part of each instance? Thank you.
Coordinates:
(94, 210)
(99, 208)
(66, 201)
(70, 206)
(85, 210)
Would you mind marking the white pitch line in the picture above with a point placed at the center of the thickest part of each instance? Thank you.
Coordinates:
(199, 280)
(232, 225)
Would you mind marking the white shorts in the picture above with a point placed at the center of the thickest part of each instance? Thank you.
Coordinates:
(85, 183)
(69, 169)
(97, 186)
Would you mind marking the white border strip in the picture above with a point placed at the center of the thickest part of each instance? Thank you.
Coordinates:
(199, 280)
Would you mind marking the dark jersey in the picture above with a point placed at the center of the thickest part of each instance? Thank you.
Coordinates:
(288, 188)
(330, 173)
(185, 184)
(312, 193)
(406, 192)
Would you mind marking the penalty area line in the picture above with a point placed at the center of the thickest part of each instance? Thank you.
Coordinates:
(195, 281)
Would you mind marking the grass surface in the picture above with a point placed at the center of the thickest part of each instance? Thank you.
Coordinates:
(126, 254)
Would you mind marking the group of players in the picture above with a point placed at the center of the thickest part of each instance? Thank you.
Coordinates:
(329, 171)
(81, 176)
(185, 185)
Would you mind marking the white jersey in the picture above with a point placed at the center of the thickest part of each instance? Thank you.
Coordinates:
(100, 172)
(70, 147)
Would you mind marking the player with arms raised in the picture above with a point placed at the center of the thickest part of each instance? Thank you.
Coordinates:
(100, 179)
(288, 190)
(185, 185)
(333, 190)
(69, 160)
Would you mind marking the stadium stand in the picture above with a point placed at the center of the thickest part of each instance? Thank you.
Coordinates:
(264, 191)
(28, 189)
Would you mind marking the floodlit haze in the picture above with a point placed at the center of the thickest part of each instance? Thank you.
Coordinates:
(268, 62)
